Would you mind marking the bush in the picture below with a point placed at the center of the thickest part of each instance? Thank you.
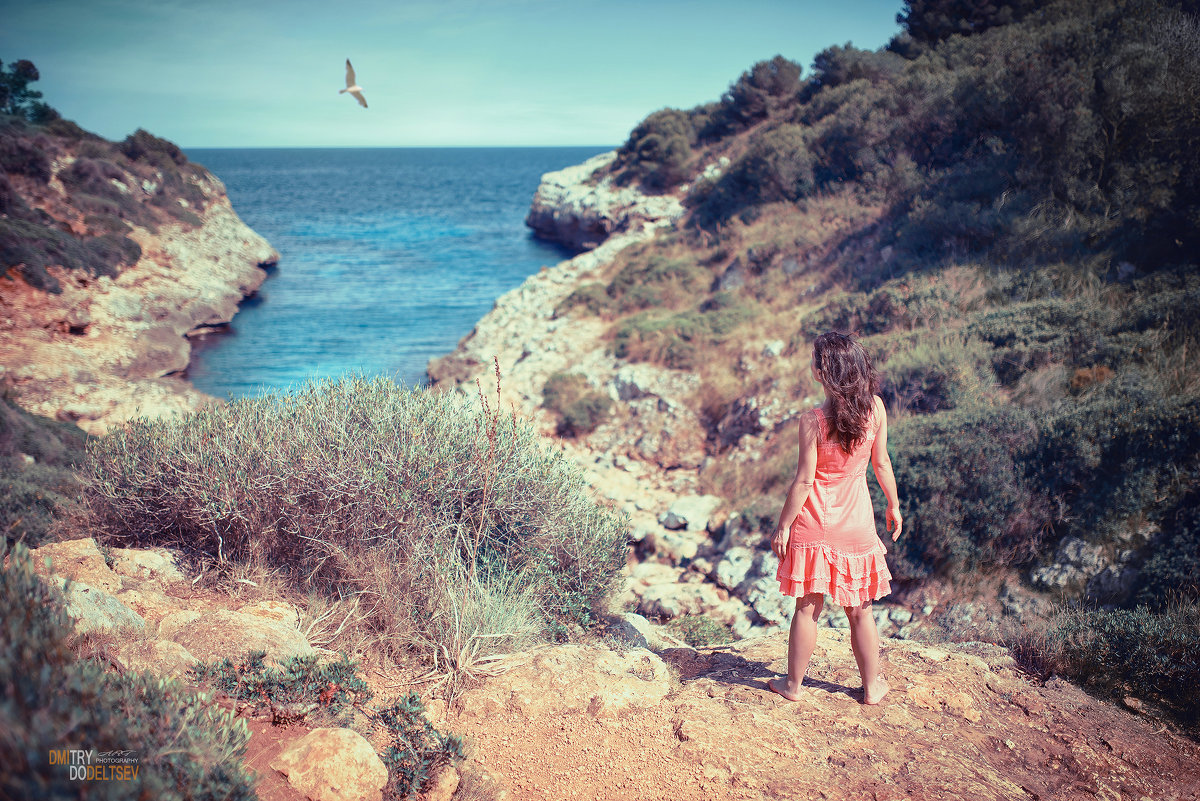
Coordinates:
(186, 748)
(581, 407)
(24, 154)
(37, 246)
(31, 495)
(658, 150)
(144, 146)
(1115, 454)
(467, 533)
(965, 496)
(937, 374)
(1154, 656)
(417, 749)
(333, 694)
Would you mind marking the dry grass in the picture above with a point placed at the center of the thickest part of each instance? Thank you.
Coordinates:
(423, 527)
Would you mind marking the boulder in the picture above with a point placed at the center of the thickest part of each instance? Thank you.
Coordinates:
(161, 657)
(95, 610)
(157, 564)
(676, 546)
(222, 633)
(333, 765)
(690, 512)
(79, 560)
(1075, 561)
(733, 568)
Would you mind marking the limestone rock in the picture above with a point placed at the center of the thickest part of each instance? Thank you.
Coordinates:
(1075, 562)
(216, 635)
(79, 560)
(675, 546)
(160, 657)
(577, 208)
(95, 610)
(690, 512)
(575, 679)
(733, 568)
(333, 765)
(157, 564)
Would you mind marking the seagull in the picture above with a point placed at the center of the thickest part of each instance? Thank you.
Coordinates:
(352, 87)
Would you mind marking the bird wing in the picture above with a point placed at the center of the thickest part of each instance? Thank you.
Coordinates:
(359, 97)
(349, 74)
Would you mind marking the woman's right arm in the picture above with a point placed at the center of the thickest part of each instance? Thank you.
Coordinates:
(883, 471)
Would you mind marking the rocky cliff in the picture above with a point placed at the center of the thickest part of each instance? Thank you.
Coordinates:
(94, 340)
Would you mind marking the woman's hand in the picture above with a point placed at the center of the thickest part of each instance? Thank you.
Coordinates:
(894, 520)
(779, 542)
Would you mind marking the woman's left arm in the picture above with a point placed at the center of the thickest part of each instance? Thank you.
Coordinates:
(806, 471)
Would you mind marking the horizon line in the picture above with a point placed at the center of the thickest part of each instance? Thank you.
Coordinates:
(386, 147)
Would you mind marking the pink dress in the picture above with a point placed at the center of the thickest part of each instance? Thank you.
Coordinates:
(833, 547)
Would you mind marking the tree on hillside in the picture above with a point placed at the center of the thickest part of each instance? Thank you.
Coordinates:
(17, 98)
(934, 20)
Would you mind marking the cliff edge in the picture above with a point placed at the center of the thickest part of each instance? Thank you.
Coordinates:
(114, 255)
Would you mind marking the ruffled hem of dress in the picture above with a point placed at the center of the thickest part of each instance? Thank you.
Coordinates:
(851, 579)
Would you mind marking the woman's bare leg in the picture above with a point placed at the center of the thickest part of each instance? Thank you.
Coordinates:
(864, 641)
(802, 639)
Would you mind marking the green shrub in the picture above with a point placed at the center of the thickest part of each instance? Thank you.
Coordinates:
(300, 685)
(417, 749)
(37, 246)
(965, 495)
(333, 694)
(31, 495)
(449, 519)
(144, 146)
(24, 153)
(698, 630)
(1150, 655)
(937, 374)
(658, 150)
(1172, 568)
(581, 407)
(186, 747)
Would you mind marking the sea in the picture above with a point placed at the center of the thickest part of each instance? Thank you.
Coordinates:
(388, 257)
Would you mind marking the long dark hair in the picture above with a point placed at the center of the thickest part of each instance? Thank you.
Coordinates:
(850, 384)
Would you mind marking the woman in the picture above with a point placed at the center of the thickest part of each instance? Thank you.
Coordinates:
(826, 539)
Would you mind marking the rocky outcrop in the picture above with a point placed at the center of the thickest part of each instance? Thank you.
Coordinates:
(330, 764)
(160, 621)
(104, 350)
(582, 206)
(960, 722)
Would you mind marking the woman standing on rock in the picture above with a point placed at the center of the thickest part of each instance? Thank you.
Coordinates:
(826, 539)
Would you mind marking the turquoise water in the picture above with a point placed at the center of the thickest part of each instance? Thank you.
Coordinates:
(388, 257)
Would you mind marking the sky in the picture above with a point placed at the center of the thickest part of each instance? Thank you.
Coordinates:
(247, 73)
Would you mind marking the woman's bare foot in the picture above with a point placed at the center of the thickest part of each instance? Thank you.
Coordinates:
(874, 694)
(783, 687)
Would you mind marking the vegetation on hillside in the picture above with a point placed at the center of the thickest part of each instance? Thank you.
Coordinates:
(1004, 205)
(143, 181)
(38, 458)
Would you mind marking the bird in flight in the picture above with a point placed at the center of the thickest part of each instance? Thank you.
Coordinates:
(352, 87)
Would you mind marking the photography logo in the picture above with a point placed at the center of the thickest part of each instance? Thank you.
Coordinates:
(97, 766)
